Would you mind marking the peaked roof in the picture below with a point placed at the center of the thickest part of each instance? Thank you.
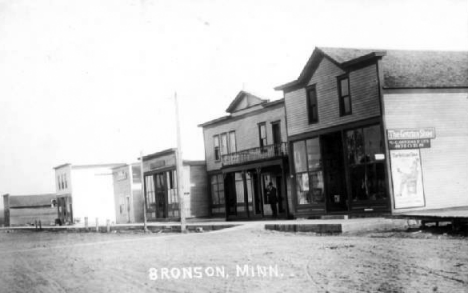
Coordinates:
(244, 95)
(401, 68)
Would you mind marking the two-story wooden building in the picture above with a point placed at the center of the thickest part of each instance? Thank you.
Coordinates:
(378, 131)
(245, 151)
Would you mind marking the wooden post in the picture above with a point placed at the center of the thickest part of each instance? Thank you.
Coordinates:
(143, 187)
(97, 225)
(179, 168)
(108, 226)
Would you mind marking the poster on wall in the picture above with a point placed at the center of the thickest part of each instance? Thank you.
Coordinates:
(408, 190)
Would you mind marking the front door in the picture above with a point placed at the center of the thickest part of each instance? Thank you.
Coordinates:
(334, 171)
(160, 190)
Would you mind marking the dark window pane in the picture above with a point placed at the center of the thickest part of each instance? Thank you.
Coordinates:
(346, 105)
(373, 142)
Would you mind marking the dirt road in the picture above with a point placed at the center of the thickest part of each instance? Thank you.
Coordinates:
(242, 259)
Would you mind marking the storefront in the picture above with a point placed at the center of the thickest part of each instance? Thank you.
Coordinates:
(160, 187)
(341, 170)
(245, 189)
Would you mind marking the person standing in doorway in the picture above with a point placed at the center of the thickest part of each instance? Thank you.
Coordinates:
(271, 193)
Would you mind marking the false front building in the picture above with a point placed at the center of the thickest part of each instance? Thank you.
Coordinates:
(245, 151)
(375, 131)
(160, 186)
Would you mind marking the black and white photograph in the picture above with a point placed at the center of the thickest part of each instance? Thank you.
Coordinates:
(233, 146)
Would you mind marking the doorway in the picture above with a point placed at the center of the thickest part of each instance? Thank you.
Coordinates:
(160, 193)
(334, 172)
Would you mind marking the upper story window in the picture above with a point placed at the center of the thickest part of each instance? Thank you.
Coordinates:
(312, 107)
(262, 134)
(232, 142)
(224, 144)
(217, 155)
(344, 94)
(58, 182)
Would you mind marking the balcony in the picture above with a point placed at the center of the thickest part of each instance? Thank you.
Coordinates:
(254, 154)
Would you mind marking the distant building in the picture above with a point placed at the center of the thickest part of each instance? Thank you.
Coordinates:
(129, 199)
(378, 131)
(85, 191)
(22, 210)
(245, 151)
(160, 185)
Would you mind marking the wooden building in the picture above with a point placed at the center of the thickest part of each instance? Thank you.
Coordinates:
(129, 201)
(245, 151)
(20, 210)
(85, 191)
(160, 187)
(378, 131)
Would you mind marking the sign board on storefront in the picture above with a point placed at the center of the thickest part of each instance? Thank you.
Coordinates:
(411, 133)
(409, 144)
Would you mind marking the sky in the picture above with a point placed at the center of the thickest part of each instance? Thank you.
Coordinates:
(89, 82)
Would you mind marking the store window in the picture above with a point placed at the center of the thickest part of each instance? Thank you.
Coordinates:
(217, 189)
(308, 171)
(150, 192)
(367, 170)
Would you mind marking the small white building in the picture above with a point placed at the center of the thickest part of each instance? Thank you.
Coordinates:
(85, 191)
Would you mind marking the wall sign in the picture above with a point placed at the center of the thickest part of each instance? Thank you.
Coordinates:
(416, 133)
(409, 144)
(408, 189)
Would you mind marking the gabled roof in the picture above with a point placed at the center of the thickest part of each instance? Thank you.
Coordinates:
(401, 68)
(251, 100)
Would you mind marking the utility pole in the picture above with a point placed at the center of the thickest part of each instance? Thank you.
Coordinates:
(179, 168)
(142, 174)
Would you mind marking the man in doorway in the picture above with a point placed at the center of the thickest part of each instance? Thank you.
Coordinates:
(271, 193)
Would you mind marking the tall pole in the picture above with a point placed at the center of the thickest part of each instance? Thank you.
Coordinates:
(142, 174)
(179, 168)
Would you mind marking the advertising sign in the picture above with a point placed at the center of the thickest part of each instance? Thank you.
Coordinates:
(416, 133)
(409, 144)
(408, 190)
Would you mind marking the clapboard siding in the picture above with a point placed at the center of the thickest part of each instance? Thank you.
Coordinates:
(364, 95)
(199, 199)
(445, 163)
(246, 128)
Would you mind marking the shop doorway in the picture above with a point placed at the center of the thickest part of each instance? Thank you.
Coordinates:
(160, 192)
(334, 172)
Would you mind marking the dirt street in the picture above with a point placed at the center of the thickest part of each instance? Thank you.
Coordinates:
(241, 259)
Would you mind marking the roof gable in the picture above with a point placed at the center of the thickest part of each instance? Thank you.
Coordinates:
(401, 68)
(243, 101)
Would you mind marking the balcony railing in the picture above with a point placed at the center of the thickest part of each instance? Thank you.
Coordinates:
(255, 154)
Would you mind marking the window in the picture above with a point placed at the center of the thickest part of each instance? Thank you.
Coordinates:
(312, 107)
(232, 142)
(58, 182)
(345, 97)
(217, 193)
(262, 134)
(65, 178)
(366, 171)
(216, 148)
(308, 170)
(224, 144)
